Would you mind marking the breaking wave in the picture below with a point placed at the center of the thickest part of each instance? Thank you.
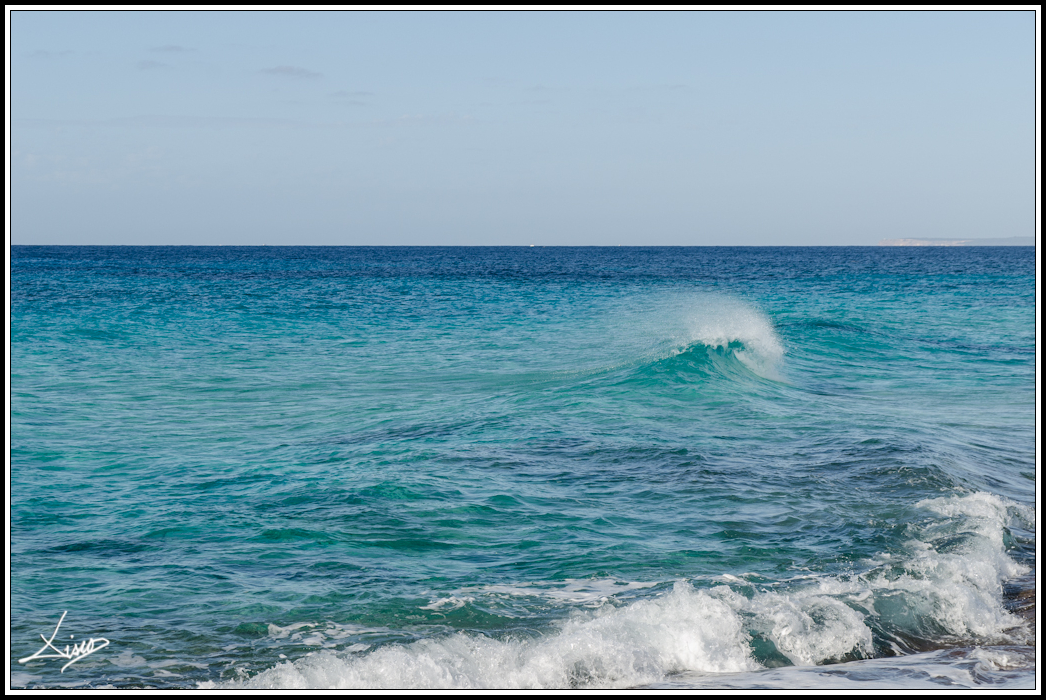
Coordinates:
(696, 328)
(944, 589)
(733, 327)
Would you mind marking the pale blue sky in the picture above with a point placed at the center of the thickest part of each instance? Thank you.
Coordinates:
(410, 128)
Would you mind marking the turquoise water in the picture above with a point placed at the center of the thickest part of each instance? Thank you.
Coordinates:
(524, 467)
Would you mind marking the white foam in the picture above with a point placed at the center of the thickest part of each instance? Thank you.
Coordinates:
(277, 632)
(985, 511)
(950, 577)
(591, 592)
(809, 628)
(639, 643)
(22, 678)
(175, 662)
(448, 603)
(327, 635)
(953, 573)
(944, 669)
(127, 659)
(719, 322)
(653, 328)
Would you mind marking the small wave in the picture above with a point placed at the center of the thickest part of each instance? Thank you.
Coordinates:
(732, 325)
(723, 327)
(642, 333)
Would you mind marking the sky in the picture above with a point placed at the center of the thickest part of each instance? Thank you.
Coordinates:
(520, 128)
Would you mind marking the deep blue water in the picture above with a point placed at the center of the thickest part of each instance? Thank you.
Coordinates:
(527, 467)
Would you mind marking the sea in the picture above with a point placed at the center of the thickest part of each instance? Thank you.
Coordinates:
(522, 467)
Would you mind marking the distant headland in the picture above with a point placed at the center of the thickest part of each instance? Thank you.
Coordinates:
(1014, 240)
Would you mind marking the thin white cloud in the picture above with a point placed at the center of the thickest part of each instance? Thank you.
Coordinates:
(662, 87)
(42, 53)
(197, 122)
(171, 48)
(351, 97)
(292, 72)
(422, 120)
(151, 65)
(160, 121)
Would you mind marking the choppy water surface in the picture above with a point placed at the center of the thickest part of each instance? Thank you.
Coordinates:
(524, 467)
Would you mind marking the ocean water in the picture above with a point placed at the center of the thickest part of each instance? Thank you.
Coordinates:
(524, 467)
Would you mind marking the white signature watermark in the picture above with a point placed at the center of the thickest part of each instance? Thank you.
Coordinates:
(77, 652)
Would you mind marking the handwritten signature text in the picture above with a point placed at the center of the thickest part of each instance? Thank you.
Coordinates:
(74, 654)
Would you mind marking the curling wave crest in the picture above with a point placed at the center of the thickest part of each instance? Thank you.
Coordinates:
(731, 325)
(695, 324)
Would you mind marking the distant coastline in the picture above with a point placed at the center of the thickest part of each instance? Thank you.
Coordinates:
(1014, 240)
